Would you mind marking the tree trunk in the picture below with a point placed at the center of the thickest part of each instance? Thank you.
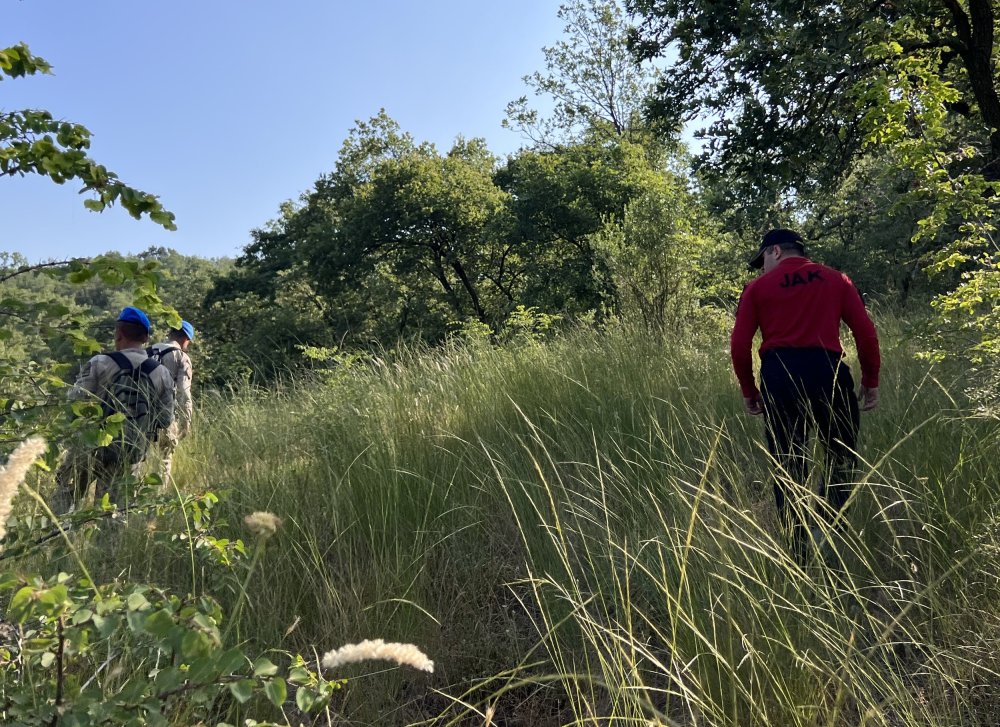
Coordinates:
(470, 289)
(975, 31)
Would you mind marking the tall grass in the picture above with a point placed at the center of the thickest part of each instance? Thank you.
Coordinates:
(582, 532)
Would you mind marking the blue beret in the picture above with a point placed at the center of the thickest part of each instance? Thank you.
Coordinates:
(187, 329)
(134, 315)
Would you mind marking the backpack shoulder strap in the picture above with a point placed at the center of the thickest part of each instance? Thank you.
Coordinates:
(159, 354)
(149, 366)
(121, 360)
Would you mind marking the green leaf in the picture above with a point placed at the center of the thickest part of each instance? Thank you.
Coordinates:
(136, 622)
(168, 678)
(136, 602)
(204, 621)
(204, 670)
(159, 623)
(264, 668)
(53, 597)
(19, 604)
(241, 690)
(194, 645)
(305, 698)
(232, 661)
(107, 625)
(276, 691)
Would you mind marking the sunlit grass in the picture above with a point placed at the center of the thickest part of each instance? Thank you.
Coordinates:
(582, 532)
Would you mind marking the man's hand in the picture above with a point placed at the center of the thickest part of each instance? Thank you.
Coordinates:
(755, 407)
(868, 397)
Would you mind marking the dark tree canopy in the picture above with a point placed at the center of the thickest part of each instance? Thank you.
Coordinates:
(786, 87)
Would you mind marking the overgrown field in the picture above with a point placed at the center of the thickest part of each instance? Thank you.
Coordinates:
(582, 532)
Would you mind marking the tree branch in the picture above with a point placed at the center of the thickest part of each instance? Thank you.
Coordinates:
(31, 268)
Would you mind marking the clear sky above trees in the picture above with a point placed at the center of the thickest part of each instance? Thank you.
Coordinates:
(225, 109)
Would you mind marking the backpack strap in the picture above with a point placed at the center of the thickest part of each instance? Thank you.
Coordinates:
(125, 364)
(149, 366)
(121, 359)
(151, 352)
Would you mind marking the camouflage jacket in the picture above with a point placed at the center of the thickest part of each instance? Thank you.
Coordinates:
(178, 364)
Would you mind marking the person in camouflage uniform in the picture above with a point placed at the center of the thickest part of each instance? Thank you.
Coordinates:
(110, 465)
(172, 353)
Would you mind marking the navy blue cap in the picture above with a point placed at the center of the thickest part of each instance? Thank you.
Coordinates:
(779, 236)
(134, 315)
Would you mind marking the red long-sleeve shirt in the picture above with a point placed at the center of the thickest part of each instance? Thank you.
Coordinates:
(800, 304)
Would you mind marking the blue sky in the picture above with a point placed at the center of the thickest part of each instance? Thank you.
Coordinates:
(225, 108)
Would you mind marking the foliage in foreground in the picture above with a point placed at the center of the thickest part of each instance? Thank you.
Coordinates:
(79, 653)
(34, 141)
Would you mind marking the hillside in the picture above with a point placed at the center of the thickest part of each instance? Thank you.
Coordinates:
(583, 530)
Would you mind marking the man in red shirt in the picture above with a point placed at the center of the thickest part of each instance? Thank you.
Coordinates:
(798, 306)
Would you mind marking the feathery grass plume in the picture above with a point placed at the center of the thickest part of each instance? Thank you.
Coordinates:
(402, 654)
(263, 524)
(13, 474)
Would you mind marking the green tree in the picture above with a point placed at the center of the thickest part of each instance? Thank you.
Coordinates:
(560, 199)
(867, 225)
(425, 214)
(654, 255)
(595, 85)
(185, 279)
(787, 87)
(399, 241)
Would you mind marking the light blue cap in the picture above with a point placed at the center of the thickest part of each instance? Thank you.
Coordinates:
(134, 315)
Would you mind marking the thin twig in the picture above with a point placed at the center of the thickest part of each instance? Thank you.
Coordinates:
(58, 530)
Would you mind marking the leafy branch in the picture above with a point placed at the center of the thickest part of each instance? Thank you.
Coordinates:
(34, 142)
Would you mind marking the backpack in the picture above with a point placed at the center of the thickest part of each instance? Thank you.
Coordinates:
(132, 393)
(158, 355)
(171, 364)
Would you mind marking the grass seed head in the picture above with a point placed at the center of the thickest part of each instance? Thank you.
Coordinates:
(263, 524)
(402, 654)
(13, 474)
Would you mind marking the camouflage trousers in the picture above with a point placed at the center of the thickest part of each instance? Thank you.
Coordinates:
(110, 469)
(163, 450)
